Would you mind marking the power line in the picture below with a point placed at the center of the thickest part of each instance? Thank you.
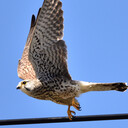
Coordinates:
(64, 119)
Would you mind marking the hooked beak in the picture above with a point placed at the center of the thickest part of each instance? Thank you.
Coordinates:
(18, 87)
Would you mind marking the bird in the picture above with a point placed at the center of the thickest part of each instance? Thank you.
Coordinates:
(43, 65)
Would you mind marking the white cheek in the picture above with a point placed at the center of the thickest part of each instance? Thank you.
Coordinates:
(24, 90)
(27, 89)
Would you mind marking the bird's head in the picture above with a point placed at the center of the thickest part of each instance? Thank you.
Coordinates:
(28, 86)
(25, 86)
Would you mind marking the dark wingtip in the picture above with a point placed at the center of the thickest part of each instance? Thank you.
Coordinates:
(122, 87)
(33, 21)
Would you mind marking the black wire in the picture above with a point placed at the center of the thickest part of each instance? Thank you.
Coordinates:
(63, 119)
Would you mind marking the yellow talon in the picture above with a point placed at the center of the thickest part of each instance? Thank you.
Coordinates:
(75, 104)
(70, 116)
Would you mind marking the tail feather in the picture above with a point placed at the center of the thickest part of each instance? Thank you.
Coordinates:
(88, 86)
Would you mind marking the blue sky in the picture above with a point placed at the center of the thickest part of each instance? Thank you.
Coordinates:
(96, 34)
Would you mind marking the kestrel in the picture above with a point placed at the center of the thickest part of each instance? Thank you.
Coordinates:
(43, 66)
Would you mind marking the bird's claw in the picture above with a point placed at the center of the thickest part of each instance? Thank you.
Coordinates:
(70, 114)
(76, 105)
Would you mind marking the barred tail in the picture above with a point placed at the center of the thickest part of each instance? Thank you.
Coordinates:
(88, 86)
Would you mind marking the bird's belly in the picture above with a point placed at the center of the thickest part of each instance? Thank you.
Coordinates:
(53, 97)
(61, 94)
(62, 101)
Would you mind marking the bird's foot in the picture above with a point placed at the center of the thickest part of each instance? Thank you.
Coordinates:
(76, 104)
(70, 116)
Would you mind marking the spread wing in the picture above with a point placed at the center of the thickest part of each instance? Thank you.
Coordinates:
(47, 51)
(25, 69)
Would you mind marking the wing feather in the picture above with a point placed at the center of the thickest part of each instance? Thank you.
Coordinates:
(48, 52)
(25, 69)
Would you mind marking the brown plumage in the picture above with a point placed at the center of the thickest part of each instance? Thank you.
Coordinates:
(43, 65)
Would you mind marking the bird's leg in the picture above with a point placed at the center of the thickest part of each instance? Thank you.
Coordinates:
(70, 116)
(76, 104)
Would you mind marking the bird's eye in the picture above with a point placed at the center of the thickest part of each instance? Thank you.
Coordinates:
(24, 82)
